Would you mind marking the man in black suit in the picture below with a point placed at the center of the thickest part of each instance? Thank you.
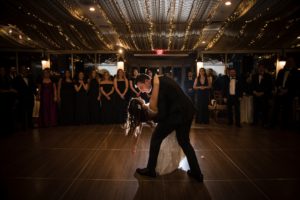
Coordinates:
(262, 87)
(232, 96)
(175, 112)
(25, 87)
(286, 89)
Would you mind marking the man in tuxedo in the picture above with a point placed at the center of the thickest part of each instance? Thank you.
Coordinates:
(262, 87)
(232, 96)
(175, 112)
(25, 87)
(286, 89)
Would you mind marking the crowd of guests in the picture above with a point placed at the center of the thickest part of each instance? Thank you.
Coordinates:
(95, 98)
(273, 96)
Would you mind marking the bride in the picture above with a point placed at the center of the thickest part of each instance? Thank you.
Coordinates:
(170, 155)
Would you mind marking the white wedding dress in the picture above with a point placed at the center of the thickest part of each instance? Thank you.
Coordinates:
(170, 156)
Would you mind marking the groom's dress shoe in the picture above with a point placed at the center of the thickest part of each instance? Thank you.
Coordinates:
(146, 172)
(198, 177)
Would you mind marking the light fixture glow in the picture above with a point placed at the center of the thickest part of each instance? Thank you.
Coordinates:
(92, 9)
(159, 51)
(10, 31)
(120, 51)
(298, 37)
(279, 65)
(203, 42)
(199, 65)
(20, 37)
(228, 3)
(120, 65)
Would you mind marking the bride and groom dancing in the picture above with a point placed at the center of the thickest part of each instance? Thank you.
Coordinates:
(173, 111)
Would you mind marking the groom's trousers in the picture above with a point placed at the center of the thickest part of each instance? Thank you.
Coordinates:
(161, 131)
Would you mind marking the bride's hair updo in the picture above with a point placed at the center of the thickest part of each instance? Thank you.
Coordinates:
(136, 114)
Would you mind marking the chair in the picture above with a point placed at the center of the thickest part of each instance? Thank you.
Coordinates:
(217, 105)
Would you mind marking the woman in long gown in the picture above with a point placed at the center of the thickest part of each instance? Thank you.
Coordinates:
(202, 85)
(48, 99)
(107, 100)
(121, 88)
(66, 98)
(170, 156)
(94, 98)
(81, 108)
(134, 91)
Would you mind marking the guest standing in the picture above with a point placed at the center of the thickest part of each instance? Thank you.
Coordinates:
(48, 99)
(134, 91)
(66, 98)
(286, 90)
(233, 94)
(107, 101)
(188, 86)
(26, 89)
(202, 86)
(8, 99)
(262, 87)
(146, 96)
(81, 108)
(121, 88)
(94, 97)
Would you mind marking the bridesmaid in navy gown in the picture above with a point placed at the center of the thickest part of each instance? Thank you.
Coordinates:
(121, 88)
(94, 98)
(81, 108)
(134, 91)
(66, 98)
(202, 86)
(107, 100)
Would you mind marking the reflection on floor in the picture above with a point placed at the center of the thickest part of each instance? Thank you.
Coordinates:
(95, 162)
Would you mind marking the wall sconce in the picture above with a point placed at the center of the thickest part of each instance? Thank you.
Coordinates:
(280, 63)
(120, 63)
(199, 65)
(45, 62)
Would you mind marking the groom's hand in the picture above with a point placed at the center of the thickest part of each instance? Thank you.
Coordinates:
(155, 80)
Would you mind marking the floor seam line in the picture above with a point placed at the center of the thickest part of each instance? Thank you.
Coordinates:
(244, 173)
(85, 166)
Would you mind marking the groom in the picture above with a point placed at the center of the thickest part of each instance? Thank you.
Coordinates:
(175, 112)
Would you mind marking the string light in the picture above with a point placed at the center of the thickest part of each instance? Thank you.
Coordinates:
(70, 7)
(190, 22)
(150, 23)
(16, 34)
(171, 23)
(262, 30)
(241, 10)
(207, 22)
(127, 24)
(123, 44)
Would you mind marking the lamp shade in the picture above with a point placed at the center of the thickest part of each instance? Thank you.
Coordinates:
(120, 65)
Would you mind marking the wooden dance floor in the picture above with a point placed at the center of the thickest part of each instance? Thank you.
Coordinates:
(95, 162)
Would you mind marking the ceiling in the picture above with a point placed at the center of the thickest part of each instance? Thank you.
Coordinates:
(146, 25)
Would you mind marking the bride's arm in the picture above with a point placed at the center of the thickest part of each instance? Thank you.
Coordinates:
(154, 96)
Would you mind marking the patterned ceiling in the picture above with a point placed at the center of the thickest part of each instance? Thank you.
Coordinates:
(145, 25)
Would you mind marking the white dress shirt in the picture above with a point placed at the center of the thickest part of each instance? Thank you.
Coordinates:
(260, 77)
(232, 86)
(286, 75)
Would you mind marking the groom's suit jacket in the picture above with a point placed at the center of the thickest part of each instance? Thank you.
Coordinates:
(174, 107)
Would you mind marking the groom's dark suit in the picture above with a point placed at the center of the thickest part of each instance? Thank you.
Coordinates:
(175, 112)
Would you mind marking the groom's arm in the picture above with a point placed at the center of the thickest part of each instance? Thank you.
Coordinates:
(154, 96)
